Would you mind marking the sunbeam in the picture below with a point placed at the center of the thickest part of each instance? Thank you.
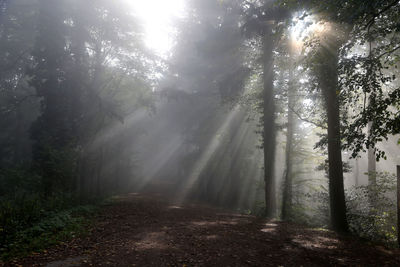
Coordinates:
(206, 156)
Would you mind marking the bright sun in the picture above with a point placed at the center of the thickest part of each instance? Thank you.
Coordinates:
(157, 17)
(306, 26)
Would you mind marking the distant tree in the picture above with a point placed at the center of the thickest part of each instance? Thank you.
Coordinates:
(52, 132)
(86, 56)
(290, 131)
(18, 103)
(262, 19)
(209, 73)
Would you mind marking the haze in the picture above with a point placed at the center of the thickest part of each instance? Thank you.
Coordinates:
(199, 132)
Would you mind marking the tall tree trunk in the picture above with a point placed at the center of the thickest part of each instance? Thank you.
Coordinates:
(371, 162)
(371, 150)
(287, 184)
(77, 77)
(99, 171)
(82, 168)
(329, 85)
(18, 137)
(269, 124)
(372, 193)
(357, 173)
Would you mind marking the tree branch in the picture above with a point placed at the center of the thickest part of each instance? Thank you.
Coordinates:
(388, 52)
(374, 16)
(307, 119)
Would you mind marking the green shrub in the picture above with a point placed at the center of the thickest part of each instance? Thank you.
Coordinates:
(371, 210)
(17, 181)
(18, 214)
(48, 231)
(29, 222)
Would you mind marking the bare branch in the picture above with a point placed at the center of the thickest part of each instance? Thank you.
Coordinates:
(307, 119)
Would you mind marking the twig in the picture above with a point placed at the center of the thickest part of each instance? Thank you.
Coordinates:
(372, 20)
(388, 52)
(307, 119)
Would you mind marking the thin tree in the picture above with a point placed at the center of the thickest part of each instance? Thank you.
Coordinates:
(288, 178)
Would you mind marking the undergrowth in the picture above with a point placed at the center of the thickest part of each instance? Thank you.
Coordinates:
(371, 210)
(21, 237)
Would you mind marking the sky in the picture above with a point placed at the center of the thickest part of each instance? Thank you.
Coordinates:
(157, 17)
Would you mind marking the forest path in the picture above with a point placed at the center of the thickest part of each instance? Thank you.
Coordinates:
(147, 229)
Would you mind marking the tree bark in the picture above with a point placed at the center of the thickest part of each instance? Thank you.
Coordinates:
(357, 173)
(99, 171)
(371, 150)
(329, 85)
(269, 124)
(371, 162)
(287, 189)
(398, 205)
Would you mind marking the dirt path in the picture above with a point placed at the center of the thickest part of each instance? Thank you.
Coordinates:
(148, 230)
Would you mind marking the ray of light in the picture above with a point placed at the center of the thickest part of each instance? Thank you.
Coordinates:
(116, 128)
(157, 163)
(206, 156)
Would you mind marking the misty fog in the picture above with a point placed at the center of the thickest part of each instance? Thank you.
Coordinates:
(286, 111)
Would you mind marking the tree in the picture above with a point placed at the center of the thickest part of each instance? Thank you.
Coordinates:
(326, 70)
(52, 132)
(207, 74)
(288, 178)
(358, 19)
(18, 103)
(369, 78)
(269, 131)
(86, 55)
(261, 19)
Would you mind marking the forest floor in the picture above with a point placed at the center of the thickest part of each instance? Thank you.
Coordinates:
(148, 229)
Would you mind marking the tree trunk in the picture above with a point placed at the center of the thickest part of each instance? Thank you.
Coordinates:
(287, 189)
(329, 85)
(372, 192)
(336, 186)
(371, 150)
(269, 125)
(18, 137)
(371, 162)
(81, 175)
(357, 173)
(99, 171)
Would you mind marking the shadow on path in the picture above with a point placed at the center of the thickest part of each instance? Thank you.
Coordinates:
(148, 229)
